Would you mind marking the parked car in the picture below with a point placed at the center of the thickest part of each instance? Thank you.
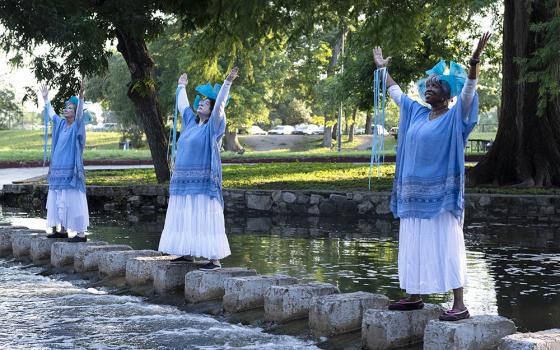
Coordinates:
(106, 127)
(360, 131)
(281, 130)
(394, 131)
(380, 130)
(252, 130)
(306, 129)
(320, 130)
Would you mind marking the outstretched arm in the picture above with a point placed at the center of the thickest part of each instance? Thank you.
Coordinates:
(469, 89)
(221, 100)
(394, 90)
(80, 106)
(44, 89)
(182, 100)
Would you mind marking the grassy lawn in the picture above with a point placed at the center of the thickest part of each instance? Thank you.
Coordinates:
(21, 145)
(293, 176)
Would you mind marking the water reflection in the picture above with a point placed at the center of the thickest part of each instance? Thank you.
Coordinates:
(513, 270)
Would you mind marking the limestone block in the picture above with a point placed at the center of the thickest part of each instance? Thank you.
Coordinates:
(21, 244)
(141, 270)
(87, 258)
(41, 246)
(387, 329)
(113, 264)
(62, 253)
(245, 293)
(543, 340)
(170, 277)
(209, 285)
(342, 313)
(292, 302)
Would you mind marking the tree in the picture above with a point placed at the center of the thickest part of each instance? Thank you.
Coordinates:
(10, 112)
(78, 32)
(526, 151)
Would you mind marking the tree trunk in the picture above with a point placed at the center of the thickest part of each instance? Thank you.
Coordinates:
(327, 135)
(334, 132)
(352, 125)
(369, 128)
(142, 91)
(526, 151)
(231, 141)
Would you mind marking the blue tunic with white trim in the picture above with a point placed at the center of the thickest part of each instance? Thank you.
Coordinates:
(430, 168)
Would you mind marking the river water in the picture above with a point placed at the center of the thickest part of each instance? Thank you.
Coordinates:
(513, 271)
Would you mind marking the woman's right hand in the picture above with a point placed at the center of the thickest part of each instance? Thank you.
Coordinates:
(380, 62)
(44, 89)
(183, 79)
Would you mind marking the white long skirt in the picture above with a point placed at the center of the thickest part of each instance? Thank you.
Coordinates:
(432, 257)
(194, 225)
(68, 208)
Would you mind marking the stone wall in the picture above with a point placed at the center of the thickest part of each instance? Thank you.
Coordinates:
(529, 209)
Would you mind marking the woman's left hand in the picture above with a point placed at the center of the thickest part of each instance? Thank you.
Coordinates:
(482, 42)
(233, 74)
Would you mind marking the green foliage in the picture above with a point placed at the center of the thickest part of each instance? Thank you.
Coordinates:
(293, 112)
(10, 112)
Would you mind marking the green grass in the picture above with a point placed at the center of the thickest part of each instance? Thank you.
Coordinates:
(294, 176)
(20, 145)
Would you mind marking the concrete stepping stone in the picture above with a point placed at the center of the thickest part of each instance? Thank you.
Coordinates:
(113, 264)
(387, 329)
(5, 242)
(21, 244)
(140, 270)
(170, 277)
(543, 340)
(292, 302)
(41, 246)
(245, 293)
(209, 285)
(342, 313)
(87, 258)
(483, 332)
(62, 253)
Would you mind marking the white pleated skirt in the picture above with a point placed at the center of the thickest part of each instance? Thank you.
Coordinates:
(432, 256)
(194, 225)
(68, 208)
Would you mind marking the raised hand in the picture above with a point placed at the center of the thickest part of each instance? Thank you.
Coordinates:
(183, 79)
(81, 95)
(482, 42)
(44, 89)
(233, 74)
(380, 62)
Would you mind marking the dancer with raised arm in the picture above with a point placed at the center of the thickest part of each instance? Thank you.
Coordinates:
(429, 181)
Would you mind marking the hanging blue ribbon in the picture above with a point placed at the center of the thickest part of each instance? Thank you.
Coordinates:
(379, 104)
(173, 133)
(46, 133)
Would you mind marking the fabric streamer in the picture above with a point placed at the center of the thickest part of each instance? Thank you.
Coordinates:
(173, 134)
(379, 104)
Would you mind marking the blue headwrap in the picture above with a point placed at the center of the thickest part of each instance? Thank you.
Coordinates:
(209, 92)
(74, 100)
(455, 78)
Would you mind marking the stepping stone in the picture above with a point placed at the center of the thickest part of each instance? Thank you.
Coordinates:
(245, 293)
(62, 253)
(41, 246)
(170, 277)
(342, 313)
(21, 244)
(140, 270)
(543, 340)
(292, 302)
(113, 264)
(482, 332)
(6, 241)
(87, 258)
(209, 285)
(387, 329)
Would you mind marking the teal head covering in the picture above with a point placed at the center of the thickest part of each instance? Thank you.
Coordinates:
(207, 91)
(86, 115)
(74, 100)
(455, 78)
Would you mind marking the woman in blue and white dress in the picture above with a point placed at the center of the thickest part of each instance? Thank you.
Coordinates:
(66, 201)
(194, 223)
(429, 182)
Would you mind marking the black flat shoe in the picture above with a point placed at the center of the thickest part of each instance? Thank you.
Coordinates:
(183, 259)
(58, 235)
(77, 239)
(210, 266)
